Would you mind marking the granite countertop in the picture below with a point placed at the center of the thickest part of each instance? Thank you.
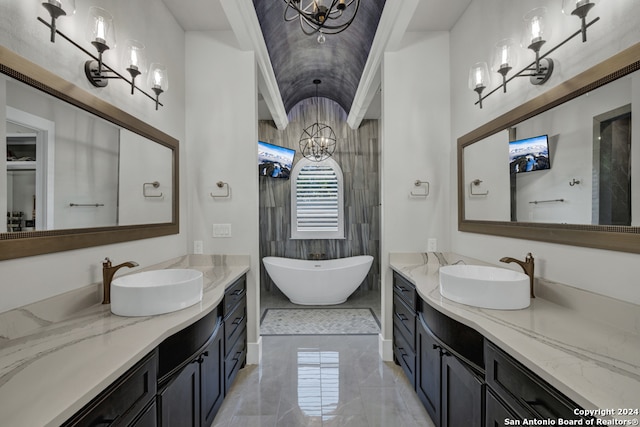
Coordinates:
(56, 355)
(596, 364)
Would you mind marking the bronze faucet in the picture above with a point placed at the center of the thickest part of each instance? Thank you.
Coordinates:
(527, 265)
(107, 275)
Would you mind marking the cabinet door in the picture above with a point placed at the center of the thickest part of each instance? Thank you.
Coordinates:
(428, 371)
(462, 394)
(496, 412)
(212, 378)
(148, 417)
(180, 399)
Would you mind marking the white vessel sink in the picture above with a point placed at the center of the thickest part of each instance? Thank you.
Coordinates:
(155, 292)
(486, 287)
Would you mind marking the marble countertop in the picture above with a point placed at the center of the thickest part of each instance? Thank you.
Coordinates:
(56, 355)
(596, 364)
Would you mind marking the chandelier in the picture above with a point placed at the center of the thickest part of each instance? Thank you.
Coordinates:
(318, 141)
(322, 16)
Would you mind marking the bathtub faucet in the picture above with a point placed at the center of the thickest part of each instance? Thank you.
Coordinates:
(317, 256)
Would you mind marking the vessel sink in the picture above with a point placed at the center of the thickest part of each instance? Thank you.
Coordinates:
(485, 287)
(155, 292)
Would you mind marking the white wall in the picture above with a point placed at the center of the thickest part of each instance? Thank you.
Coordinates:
(472, 39)
(415, 145)
(30, 279)
(222, 134)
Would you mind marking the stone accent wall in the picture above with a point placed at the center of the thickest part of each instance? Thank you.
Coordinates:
(358, 153)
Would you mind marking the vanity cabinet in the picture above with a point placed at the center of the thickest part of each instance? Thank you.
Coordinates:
(404, 326)
(449, 374)
(235, 329)
(126, 402)
(191, 385)
(517, 391)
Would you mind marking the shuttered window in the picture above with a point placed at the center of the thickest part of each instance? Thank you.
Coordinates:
(317, 200)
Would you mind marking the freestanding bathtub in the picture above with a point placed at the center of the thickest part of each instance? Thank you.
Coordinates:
(318, 282)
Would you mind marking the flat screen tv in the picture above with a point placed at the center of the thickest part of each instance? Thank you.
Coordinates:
(274, 161)
(530, 154)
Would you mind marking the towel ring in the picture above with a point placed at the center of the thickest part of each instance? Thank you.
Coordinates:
(154, 184)
(418, 183)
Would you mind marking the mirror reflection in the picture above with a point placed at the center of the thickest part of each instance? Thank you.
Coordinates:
(584, 174)
(68, 169)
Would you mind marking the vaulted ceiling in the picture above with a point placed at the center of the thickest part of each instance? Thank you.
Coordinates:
(293, 60)
(298, 59)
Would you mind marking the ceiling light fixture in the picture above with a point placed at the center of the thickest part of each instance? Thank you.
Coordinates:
(318, 141)
(323, 16)
(101, 35)
(534, 38)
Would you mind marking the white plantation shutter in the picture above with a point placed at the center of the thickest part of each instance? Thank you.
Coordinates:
(316, 199)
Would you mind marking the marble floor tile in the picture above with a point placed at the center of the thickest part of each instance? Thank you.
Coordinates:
(327, 380)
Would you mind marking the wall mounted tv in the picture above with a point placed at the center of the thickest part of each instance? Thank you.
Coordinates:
(274, 161)
(530, 154)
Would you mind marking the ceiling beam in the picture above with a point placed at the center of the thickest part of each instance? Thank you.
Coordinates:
(393, 24)
(244, 23)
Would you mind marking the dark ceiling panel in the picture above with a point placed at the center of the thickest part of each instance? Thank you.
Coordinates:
(298, 59)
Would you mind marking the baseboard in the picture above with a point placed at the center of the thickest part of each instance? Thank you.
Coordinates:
(385, 348)
(254, 352)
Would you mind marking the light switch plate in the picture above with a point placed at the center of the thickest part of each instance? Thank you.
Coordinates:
(198, 247)
(221, 230)
(432, 244)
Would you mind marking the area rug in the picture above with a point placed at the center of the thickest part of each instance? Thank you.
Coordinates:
(319, 321)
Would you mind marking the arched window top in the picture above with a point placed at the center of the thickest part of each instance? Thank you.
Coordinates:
(317, 200)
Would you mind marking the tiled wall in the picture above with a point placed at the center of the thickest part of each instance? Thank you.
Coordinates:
(357, 152)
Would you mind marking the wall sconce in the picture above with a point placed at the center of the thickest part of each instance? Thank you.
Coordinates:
(479, 79)
(158, 80)
(101, 34)
(56, 9)
(504, 59)
(134, 58)
(579, 8)
(534, 38)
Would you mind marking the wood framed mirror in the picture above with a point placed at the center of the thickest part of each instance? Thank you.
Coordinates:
(475, 190)
(140, 206)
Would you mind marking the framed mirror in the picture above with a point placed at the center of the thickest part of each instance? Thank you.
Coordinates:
(79, 172)
(563, 167)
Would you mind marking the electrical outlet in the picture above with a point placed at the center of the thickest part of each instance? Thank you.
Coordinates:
(197, 247)
(221, 230)
(432, 244)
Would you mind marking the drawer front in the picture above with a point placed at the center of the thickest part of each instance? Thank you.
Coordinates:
(405, 319)
(523, 390)
(234, 325)
(234, 294)
(404, 355)
(123, 400)
(405, 289)
(234, 361)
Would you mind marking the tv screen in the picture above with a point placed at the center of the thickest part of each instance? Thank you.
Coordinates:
(530, 154)
(274, 161)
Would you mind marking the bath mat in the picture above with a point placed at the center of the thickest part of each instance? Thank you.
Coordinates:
(319, 321)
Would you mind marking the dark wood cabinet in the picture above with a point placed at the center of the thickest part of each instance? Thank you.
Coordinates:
(148, 418)
(428, 371)
(404, 326)
(496, 412)
(179, 399)
(235, 330)
(449, 386)
(523, 392)
(211, 380)
(462, 398)
(124, 400)
(192, 392)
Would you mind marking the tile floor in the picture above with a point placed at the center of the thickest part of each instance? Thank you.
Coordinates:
(325, 380)
(322, 380)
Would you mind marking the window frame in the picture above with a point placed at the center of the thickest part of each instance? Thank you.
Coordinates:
(317, 234)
